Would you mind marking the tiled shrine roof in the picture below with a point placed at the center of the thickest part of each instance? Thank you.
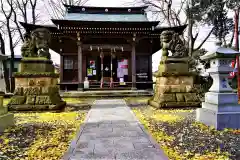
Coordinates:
(110, 14)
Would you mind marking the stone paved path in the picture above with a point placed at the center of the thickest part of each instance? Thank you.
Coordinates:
(112, 132)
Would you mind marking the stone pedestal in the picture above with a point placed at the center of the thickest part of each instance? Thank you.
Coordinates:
(221, 108)
(36, 86)
(174, 84)
(6, 119)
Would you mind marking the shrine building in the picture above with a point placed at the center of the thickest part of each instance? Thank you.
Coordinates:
(112, 47)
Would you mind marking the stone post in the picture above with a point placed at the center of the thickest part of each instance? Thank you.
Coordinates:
(221, 108)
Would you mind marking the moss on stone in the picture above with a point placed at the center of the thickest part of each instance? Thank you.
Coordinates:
(18, 91)
(53, 92)
(3, 110)
(17, 100)
(41, 100)
(32, 91)
(36, 74)
(20, 107)
(191, 97)
(31, 99)
(36, 67)
(180, 97)
(34, 58)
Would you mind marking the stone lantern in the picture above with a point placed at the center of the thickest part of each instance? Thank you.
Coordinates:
(6, 118)
(221, 108)
(2, 80)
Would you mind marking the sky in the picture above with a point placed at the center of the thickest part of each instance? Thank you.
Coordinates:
(116, 3)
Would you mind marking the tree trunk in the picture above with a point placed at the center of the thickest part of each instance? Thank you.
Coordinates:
(236, 29)
(33, 16)
(12, 86)
(236, 17)
(190, 30)
(5, 70)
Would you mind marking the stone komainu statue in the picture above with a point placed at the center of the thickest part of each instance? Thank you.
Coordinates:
(27, 49)
(170, 41)
(36, 44)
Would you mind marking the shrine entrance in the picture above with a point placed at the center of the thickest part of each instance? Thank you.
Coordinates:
(112, 72)
(108, 69)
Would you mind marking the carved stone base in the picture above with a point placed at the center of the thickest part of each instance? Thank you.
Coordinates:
(161, 100)
(173, 104)
(36, 90)
(218, 120)
(220, 110)
(174, 85)
(29, 107)
(36, 98)
(36, 64)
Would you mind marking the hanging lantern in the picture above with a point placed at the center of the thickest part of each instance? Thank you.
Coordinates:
(78, 36)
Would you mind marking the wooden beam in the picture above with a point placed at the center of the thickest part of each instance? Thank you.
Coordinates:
(97, 47)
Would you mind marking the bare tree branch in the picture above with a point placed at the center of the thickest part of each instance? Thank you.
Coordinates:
(5, 70)
(16, 42)
(172, 17)
(22, 6)
(205, 39)
(9, 32)
(17, 25)
(56, 8)
(33, 4)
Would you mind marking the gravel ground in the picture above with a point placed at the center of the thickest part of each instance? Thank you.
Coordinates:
(187, 137)
(39, 135)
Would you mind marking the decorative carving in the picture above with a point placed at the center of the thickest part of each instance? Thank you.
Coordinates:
(41, 38)
(28, 49)
(170, 41)
(36, 44)
(31, 82)
(41, 83)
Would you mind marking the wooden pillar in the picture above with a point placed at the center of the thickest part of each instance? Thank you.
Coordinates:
(133, 58)
(61, 68)
(101, 56)
(80, 79)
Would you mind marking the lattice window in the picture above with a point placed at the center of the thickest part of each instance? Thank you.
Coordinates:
(68, 63)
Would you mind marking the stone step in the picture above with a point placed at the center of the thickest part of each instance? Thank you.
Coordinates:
(106, 93)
